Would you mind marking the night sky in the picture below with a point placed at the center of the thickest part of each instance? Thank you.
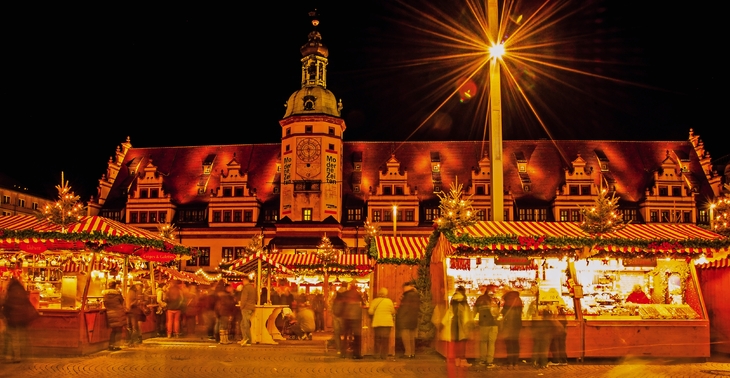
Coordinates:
(77, 82)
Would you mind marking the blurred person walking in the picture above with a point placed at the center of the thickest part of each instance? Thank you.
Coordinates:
(487, 306)
(382, 311)
(116, 314)
(352, 321)
(512, 325)
(407, 318)
(248, 306)
(19, 313)
(175, 304)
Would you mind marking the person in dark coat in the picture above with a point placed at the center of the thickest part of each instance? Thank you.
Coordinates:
(407, 318)
(318, 306)
(352, 320)
(18, 313)
(512, 325)
(225, 308)
(116, 313)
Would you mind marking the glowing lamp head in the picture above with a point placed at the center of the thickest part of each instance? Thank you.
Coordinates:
(496, 51)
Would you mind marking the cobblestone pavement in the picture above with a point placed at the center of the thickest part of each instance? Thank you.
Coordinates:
(181, 358)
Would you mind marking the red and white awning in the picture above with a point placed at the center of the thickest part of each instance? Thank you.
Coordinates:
(250, 263)
(95, 225)
(532, 236)
(403, 248)
(357, 262)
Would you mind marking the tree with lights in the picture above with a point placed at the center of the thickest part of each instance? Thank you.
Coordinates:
(66, 210)
(327, 254)
(371, 232)
(603, 217)
(720, 214)
(456, 211)
(255, 245)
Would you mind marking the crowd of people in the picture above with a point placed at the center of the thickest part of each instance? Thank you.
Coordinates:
(502, 316)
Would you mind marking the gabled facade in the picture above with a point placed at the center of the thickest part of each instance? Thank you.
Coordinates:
(16, 198)
(315, 183)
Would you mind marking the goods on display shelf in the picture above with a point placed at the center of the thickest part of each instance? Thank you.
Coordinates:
(526, 278)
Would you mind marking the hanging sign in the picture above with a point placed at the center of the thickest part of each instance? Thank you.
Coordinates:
(640, 262)
(32, 247)
(511, 261)
(157, 256)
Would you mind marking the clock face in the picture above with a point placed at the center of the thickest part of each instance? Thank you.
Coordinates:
(308, 149)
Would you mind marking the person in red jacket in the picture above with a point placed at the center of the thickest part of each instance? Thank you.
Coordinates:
(638, 296)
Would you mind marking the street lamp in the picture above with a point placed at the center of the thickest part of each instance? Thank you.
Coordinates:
(495, 114)
(395, 216)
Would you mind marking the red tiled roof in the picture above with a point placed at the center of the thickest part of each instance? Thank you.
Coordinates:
(631, 164)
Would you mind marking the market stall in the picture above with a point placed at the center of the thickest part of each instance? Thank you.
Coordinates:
(397, 263)
(67, 267)
(592, 276)
(263, 322)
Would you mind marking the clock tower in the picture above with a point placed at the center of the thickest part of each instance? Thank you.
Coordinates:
(311, 142)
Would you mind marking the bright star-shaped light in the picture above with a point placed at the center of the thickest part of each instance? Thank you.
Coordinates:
(496, 51)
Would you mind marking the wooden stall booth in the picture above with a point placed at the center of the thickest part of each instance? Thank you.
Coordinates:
(714, 277)
(592, 277)
(68, 269)
(397, 263)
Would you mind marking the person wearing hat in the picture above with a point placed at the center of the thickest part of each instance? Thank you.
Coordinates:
(382, 310)
(407, 318)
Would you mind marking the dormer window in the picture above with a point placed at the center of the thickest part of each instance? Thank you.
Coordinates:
(676, 191)
(331, 131)
(238, 191)
(143, 193)
(663, 191)
(387, 190)
(399, 191)
(154, 193)
(227, 191)
(308, 129)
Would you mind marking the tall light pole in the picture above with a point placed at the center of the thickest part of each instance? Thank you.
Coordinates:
(395, 217)
(495, 113)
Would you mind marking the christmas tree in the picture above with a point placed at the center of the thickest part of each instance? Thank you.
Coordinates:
(371, 232)
(66, 210)
(603, 217)
(255, 245)
(166, 230)
(456, 211)
(720, 222)
(326, 252)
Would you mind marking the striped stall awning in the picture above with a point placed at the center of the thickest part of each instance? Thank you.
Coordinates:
(354, 262)
(26, 222)
(296, 260)
(401, 247)
(182, 276)
(103, 227)
(250, 263)
(720, 263)
(110, 227)
(662, 237)
(526, 230)
(663, 231)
